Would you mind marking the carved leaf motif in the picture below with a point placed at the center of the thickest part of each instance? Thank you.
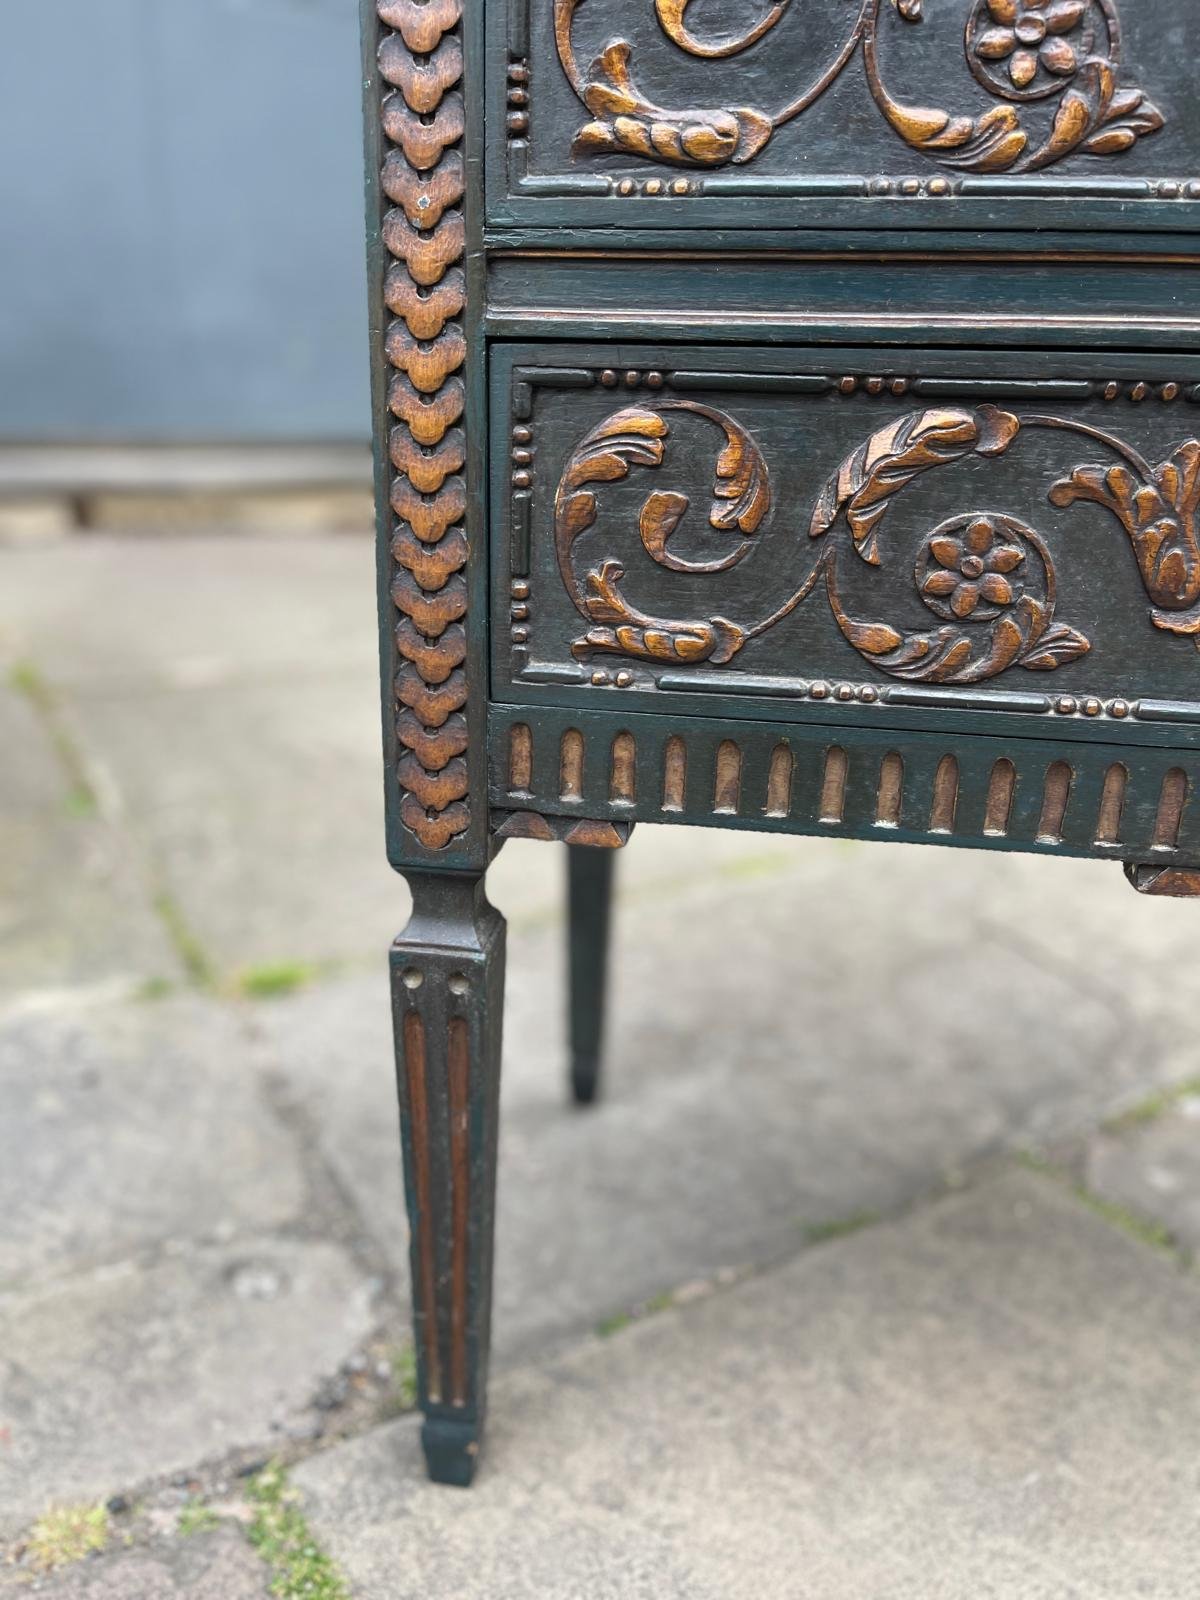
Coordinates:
(1056, 646)
(960, 575)
(646, 638)
(1161, 515)
(867, 481)
(990, 143)
(629, 438)
(1094, 118)
(661, 515)
(993, 142)
(742, 481)
(636, 436)
(632, 437)
(628, 123)
(947, 654)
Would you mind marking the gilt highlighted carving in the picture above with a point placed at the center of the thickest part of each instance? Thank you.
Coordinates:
(1020, 51)
(425, 289)
(985, 574)
(636, 436)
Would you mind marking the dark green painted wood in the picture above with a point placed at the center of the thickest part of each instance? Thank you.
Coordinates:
(589, 913)
(447, 973)
(469, 850)
(888, 297)
(821, 172)
(789, 399)
(866, 750)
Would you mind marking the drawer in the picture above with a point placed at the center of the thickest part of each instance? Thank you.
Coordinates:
(1007, 114)
(987, 554)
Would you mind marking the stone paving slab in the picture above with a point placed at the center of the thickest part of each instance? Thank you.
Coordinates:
(35, 520)
(262, 807)
(127, 1128)
(993, 1398)
(724, 1137)
(115, 615)
(74, 904)
(1152, 1171)
(137, 1369)
(202, 1566)
(1084, 916)
(224, 694)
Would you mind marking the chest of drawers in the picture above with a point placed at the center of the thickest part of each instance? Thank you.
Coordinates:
(787, 417)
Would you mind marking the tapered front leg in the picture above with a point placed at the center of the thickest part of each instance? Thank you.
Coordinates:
(589, 895)
(447, 997)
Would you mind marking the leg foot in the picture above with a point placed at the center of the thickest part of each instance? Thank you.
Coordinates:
(589, 895)
(451, 1450)
(447, 997)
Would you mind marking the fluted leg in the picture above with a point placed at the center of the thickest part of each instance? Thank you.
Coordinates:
(589, 896)
(447, 996)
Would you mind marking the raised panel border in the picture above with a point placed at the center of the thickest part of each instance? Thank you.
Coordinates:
(1040, 710)
(929, 197)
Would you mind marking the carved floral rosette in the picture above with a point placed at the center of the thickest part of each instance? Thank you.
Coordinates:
(425, 290)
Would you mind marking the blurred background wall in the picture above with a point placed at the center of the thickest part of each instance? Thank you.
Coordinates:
(181, 245)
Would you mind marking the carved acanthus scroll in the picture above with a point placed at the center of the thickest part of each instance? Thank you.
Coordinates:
(1019, 51)
(988, 576)
(636, 436)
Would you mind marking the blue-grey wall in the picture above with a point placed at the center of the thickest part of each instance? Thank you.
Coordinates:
(181, 220)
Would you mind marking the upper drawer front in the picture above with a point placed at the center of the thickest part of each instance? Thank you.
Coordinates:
(804, 533)
(1064, 114)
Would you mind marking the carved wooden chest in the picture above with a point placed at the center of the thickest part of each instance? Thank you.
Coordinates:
(787, 419)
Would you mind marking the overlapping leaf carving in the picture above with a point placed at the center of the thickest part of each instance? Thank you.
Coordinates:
(1159, 508)
(868, 480)
(628, 123)
(1096, 118)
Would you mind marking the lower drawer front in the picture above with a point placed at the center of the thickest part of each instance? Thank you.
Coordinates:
(912, 533)
(978, 566)
(1077, 798)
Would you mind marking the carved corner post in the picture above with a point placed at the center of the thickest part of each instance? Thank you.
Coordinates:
(448, 965)
(448, 1001)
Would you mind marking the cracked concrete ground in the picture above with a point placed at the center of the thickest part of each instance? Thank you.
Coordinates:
(873, 1273)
